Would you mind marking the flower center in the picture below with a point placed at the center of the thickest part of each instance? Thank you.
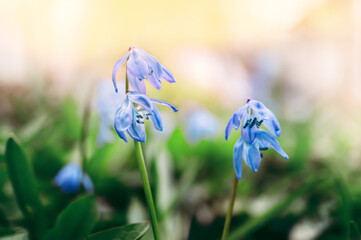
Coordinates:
(251, 122)
(142, 114)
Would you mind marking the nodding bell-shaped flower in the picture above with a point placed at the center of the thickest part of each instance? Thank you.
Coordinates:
(253, 140)
(136, 108)
(71, 177)
(141, 66)
(254, 112)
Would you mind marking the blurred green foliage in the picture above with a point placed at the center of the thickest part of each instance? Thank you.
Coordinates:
(191, 184)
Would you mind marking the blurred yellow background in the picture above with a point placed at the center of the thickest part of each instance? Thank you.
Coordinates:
(209, 43)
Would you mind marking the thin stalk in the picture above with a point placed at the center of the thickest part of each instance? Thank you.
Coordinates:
(145, 180)
(230, 210)
(356, 229)
(85, 130)
(257, 222)
(147, 190)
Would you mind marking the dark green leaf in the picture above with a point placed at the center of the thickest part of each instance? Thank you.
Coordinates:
(25, 188)
(148, 235)
(76, 221)
(128, 232)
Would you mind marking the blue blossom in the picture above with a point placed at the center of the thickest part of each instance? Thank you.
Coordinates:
(141, 66)
(107, 104)
(196, 128)
(71, 177)
(130, 118)
(251, 113)
(253, 139)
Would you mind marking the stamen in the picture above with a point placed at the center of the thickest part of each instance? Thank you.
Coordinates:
(140, 122)
(150, 71)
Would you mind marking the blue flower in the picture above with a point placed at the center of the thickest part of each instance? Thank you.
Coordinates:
(196, 128)
(70, 178)
(141, 66)
(107, 104)
(253, 140)
(129, 118)
(251, 113)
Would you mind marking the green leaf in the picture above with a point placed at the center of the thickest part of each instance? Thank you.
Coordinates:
(76, 221)
(148, 235)
(128, 232)
(25, 187)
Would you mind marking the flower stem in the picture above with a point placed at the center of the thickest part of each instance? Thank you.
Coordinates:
(85, 129)
(147, 190)
(144, 175)
(230, 210)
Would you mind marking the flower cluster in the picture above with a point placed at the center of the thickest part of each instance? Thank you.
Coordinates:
(137, 106)
(250, 117)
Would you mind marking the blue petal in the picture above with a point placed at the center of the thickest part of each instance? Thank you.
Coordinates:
(249, 134)
(165, 103)
(155, 67)
(120, 133)
(269, 119)
(156, 118)
(123, 116)
(229, 128)
(237, 157)
(116, 67)
(137, 130)
(155, 82)
(68, 178)
(141, 99)
(137, 84)
(259, 108)
(167, 75)
(266, 140)
(252, 156)
(137, 66)
(237, 116)
(273, 125)
(88, 184)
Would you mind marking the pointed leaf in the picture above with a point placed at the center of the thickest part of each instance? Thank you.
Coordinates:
(25, 188)
(128, 232)
(76, 221)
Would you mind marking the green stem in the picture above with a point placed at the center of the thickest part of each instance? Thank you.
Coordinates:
(144, 175)
(356, 229)
(147, 190)
(257, 222)
(84, 134)
(230, 210)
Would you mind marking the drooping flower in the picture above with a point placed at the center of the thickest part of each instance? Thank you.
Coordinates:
(141, 66)
(254, 112)
(107, 103)
(253, 139)
(71, 177)
(130, 118)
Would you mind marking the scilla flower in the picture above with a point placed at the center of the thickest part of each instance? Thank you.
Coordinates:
(141, 66)
(130, 118)
(253, 139)
(251, 113)
(107, 104)
(71, 177)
